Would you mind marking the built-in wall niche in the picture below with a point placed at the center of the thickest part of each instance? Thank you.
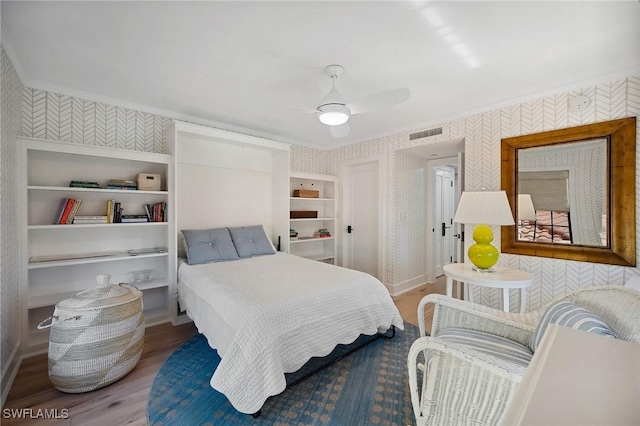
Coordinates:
(227, 179)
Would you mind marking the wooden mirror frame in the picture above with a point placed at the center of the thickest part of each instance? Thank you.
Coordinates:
(621, 166)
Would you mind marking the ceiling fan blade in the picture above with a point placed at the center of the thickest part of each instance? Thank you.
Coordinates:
(306, 111)
(378, 101)
(340, 131)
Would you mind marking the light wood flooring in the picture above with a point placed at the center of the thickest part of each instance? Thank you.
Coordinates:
(125, 402)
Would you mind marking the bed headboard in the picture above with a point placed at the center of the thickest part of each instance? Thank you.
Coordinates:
(225, 178)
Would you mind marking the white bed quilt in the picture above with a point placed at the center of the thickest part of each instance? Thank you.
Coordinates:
(268, 315)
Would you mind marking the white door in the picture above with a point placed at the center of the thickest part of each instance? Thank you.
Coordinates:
(361, 217)
(444, 204)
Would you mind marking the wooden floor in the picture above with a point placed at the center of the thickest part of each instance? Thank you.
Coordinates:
(125, 402)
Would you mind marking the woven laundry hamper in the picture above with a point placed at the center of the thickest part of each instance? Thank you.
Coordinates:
(96, 337)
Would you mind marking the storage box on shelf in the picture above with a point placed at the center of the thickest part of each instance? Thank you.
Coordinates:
(313, 216)
(60, 260)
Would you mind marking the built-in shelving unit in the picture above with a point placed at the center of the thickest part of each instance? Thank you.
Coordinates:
(305, 244)
(62, 260)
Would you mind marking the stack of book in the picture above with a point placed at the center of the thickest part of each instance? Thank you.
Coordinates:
(67, 211)
(134, 218)
(156, 212)
(85, 220)
(122, 184)
(83, 184)
(322, 233)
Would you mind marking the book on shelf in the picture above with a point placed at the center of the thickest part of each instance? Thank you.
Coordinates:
(74, 211)
(156, 212)
(61, 208)
(134, 218)
(122, 188)
(84, 220)
(117, 212)
(67, 213)
(122, 184)
(110, 211)
(83, 184)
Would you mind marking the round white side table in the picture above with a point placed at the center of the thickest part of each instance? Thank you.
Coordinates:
(498, 277)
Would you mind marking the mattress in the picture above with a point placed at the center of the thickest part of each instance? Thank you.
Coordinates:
(268, 315)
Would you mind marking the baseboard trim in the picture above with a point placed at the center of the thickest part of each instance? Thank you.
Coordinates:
(408, 285)
(9, 373)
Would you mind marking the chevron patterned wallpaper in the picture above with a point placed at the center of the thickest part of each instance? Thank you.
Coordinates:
(482, 133)
(64, 118)
(53, 116)
(10, 98)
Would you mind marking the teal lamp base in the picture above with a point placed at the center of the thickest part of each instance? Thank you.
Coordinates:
(482, 254)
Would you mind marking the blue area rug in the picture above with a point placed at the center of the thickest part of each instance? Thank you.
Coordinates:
(368, 387)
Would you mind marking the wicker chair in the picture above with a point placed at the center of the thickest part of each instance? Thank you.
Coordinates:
(458, 385)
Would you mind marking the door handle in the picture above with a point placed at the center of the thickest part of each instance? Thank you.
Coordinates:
(444, 228)
(349, 229)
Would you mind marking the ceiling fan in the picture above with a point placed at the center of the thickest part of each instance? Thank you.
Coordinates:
(335, 113)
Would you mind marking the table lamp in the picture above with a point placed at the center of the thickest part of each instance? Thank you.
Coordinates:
(526, 210)
(483, 208)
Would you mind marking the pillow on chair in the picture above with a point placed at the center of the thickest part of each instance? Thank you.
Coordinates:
(569, 314)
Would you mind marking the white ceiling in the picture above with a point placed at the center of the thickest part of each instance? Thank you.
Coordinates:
(218, 63)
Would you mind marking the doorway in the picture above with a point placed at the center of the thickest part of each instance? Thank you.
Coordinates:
(444, 203)
(361, 203)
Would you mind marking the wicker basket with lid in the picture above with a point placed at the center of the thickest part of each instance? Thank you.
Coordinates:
(96, 337)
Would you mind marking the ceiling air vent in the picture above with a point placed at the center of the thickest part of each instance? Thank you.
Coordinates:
(425, 133)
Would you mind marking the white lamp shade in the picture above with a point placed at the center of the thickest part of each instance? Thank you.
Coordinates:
(484, 207)
(526, 211)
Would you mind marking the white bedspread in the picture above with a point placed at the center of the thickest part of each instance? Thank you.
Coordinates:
(268, 315)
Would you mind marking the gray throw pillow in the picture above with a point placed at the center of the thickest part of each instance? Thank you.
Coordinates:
(569, 314)
(209, 245)
(251, 241)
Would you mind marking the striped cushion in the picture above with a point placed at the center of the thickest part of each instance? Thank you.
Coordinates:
(569, 314)
(490, 344)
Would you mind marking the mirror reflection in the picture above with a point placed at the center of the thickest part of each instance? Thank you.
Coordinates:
(562, 194)
(583, 179)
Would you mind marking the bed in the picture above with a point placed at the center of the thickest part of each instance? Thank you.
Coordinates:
(268, 314)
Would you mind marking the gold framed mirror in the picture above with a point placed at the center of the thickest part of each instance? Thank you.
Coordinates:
(593, 205)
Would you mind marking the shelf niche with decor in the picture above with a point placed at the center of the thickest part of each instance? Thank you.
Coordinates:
(313, 216)
(60, 260)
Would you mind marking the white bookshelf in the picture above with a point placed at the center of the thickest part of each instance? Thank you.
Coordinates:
(317, 248)
(61, 260)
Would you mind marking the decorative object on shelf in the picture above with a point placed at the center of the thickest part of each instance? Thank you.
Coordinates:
(483, 208)
(148, 182)
(306, 193)
(153, 250)
(303, 214)
(293, 234)
(103, 280)
(96, 337)
(143, 275)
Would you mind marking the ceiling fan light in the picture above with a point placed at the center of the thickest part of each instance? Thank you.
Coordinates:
(333, 114)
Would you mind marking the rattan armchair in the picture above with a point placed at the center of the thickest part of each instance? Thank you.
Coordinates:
(453, 384)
